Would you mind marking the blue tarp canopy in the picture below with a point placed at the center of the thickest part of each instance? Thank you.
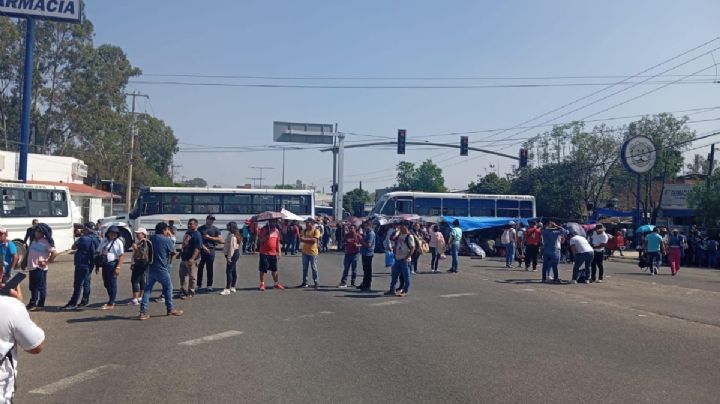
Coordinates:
(480, 223)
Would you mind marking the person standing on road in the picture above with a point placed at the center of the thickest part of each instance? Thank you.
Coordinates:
(231, 249)
(8, 252)
(210, 237)
(437, 247)
(552, 239)
(367, 252)
(142, 257)
(246, 237)
(654, 246)
(30, 232)
(509, 240)
(310, 239)
(583, 255)
(269, 246)
(677, 244)
(112, 249)
(40, 252)
(404, 248)
(599, 241)
(163, 249)
(352, 243)
(531, 241)
(16, 329)
(192, 243)
(85, 248)
(454, 240)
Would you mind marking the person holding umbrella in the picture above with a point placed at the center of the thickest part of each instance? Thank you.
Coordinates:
(269, 248)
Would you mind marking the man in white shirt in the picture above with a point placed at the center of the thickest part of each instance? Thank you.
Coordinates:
(598, 240)
(16, 328)
(583, 253)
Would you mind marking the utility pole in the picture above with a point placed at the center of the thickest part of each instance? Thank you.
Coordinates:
(133, 134)
(283, 169)
(172, 171)
(711, 163)
(260, 177)
(112, 188)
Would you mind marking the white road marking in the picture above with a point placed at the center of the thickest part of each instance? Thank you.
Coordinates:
(458, 295)
(388, 303)
(642, 315)
(326, 312)
(63, 384)
(529, 290)
(211, 338)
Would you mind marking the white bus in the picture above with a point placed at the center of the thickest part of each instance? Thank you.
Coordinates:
(21, 203)
(435, 204)
(156, 204)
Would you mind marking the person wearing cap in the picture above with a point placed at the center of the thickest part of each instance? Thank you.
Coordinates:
(677, 244)
(210, 237)
(142, 257)
(599, 241)
(269, 249)
(552, 240)
(163, 248)
(112, 249)
(404, 248)
(454, 241)
(8, 252)
(310, 239)
(84, 248)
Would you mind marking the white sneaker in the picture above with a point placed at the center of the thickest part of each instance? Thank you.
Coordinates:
(225, 292)
(233, 290)
(135, 302)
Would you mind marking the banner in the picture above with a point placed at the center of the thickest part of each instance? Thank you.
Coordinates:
(58, 10)
(675, 196)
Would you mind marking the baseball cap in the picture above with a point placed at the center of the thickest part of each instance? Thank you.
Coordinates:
(141, 230)
(210, 217)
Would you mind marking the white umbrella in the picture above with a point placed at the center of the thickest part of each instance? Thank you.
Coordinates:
(287, 215)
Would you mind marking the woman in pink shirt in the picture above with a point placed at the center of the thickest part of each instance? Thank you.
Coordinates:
(437, 247)
(40, 253)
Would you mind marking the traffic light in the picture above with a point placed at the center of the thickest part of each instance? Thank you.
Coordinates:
(523, 158)
(463, 145)
(401, 141)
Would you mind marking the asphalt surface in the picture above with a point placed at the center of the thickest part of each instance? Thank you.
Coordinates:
(486, 334)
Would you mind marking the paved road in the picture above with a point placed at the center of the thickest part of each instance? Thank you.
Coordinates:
(484, 335)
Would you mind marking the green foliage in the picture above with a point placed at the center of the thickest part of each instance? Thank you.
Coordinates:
(555, 187)
(699, 165)
(356, 196)
(286, 186)
(196, 182)
(428, 177)
(705, 198)
(491, 183)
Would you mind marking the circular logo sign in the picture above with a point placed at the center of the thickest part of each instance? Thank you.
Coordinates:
(638, 154)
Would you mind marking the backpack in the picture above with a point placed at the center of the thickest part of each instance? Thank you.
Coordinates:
(142, 253)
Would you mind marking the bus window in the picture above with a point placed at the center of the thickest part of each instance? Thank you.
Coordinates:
(262, 203)
(526, 209)
(293, 203)
(39, 203)
(239, 203)
(507, 208)
(482, 207)
(58, 204)
(455, 207)
(14, 203)
(404, 206)
(177, 203)
(389, 208)
(206, 204)
(428, 206)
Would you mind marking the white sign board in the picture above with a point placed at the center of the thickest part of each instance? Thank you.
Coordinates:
(675, 196)
(303, 132)
(58, 10)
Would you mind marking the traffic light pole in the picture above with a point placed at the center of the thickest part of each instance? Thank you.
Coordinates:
(453, 146)
(340, 173)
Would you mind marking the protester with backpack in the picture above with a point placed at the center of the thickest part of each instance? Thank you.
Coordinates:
(109, 259)
(142, 258)
(85, 248)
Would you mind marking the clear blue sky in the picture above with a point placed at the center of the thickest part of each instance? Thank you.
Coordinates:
(395, 38)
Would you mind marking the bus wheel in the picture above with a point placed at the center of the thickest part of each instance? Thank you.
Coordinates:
(126, 238)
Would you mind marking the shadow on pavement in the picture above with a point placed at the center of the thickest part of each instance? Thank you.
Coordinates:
(95, 319)
(366, 295)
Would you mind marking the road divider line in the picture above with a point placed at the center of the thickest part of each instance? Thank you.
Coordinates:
(63, 384)
(455, 295)
(211, 338)
(388, 303)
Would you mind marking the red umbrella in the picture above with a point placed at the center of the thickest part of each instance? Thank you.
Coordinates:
(268, 215)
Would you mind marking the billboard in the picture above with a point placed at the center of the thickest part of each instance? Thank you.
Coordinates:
(303, 132)
(58, 10)
(675, 196)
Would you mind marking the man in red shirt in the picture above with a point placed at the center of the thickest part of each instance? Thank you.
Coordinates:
(352, 242)
(269, 247)
(533, 237)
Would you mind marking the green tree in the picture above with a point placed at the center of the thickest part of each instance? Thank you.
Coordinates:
(705, 198)
(355, 197)
(699, 165)
(491, 183)
(556, 189)
(427, 177)
(196, 182)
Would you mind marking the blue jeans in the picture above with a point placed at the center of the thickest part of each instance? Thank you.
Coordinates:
(435, 260)
(206, 261)
(231, 270)
(400, 267)
(551, 259)
(38, 287)
(163, 278)
(110, 281)
(246, 244)
(350, 260)
(310, 261)
(655, 258)
(81, 280)
(582, 259)
(509, 253)
(455, 252)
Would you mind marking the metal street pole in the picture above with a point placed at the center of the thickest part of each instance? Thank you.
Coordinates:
(711, 163)
(133, 135)
(27, 99)
(261, 170)
(283, 169)
(334, 181)
(341, 167)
